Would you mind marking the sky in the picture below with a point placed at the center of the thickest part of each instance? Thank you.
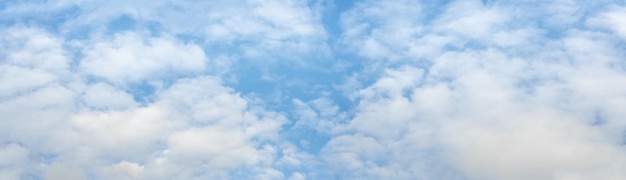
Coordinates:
(313, 89)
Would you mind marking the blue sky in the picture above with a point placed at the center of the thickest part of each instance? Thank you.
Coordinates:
(313, 89)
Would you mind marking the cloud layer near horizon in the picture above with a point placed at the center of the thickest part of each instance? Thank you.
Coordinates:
(313, 90)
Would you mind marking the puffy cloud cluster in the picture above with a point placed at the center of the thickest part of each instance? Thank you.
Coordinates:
(484, 91)
(58, 123)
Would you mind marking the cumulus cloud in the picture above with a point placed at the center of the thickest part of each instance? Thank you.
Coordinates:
(77, 128)
(480, 110)
(130, 58)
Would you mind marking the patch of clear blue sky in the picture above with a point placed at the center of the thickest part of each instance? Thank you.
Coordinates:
(122, 23)
(332, 16)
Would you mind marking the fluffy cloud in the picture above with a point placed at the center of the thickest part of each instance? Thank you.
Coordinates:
(130, 58)
(611, 20)
(39, 68)
(14, 158)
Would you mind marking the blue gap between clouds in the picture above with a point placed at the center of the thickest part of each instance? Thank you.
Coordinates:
(122, 23)
(126, 22)
(332, 17)
(293, 83)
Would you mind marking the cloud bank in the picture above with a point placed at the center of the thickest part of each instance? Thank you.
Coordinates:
(313, 90)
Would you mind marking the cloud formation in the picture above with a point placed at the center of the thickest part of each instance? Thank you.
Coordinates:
(269, 90)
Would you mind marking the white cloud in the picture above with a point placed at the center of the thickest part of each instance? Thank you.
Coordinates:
(131, 58)
(11, 85)
(59, 172)
(13, 159)
(33, 48)
(297, 176)
(319, 114)
(387, 94)
(174, 137)
(127, 170)
(248, 29)
(469, 19)
(379, 30)
(30, 54)
(34, 65)
(104, 96)
(612, 20)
